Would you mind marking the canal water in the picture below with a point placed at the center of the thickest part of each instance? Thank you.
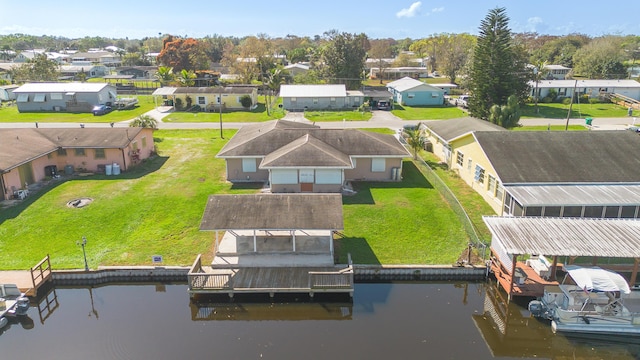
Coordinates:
(384, 321)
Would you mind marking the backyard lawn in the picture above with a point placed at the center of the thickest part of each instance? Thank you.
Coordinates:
(427, 112)
(11, 114)
(156, 210)
(352, 115)
(560, 111)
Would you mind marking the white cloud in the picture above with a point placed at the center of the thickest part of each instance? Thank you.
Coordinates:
(438, 9)
(533, 22)
(411, 11)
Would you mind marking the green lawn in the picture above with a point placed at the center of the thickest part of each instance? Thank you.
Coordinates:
(156, 210)
(427, 112)
(11, 114)
(258, 114)
(337, 115)
(559, 111)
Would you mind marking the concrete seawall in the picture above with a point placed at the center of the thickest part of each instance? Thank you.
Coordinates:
(365, 273)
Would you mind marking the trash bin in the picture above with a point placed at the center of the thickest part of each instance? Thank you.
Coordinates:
(588, 121)
(68, 170)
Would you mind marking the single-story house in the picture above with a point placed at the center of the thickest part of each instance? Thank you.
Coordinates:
(5, 70)
(553, 173)
(208, 98)
(412, 92)
(446, 87)
(299, 157)
(319, 97)
(446, 136)
(399, 72)
(557, 72)
(592, 88)
(6, 92)
(30, 155)
(297, 69)
(90, 71)
(375, 94)
(138, 72)
(70, 97)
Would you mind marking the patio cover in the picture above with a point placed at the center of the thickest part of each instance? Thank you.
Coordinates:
(273, 212)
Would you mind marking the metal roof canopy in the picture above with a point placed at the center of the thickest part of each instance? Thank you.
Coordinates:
(576, 195)
(599, 237)
(273, 212)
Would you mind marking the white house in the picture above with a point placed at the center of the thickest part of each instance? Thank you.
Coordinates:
(593, 88)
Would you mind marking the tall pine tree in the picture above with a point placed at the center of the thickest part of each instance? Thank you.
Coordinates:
(498, 69)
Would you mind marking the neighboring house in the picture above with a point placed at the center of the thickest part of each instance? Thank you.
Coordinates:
(399, 72)
(6, 92)
(28, 155)
(27, 55)
(70, 97)
(592, 88)
(446, 87)
(208, 98)
(5, 70)
(557, 72)
(375, 94)
(105, 58)
(90, 71)
(296, 69)
(553, 174)
(138, 72)
(412, 92)
(319, 97)
(371, 62)
(298, 157)
(446, 136)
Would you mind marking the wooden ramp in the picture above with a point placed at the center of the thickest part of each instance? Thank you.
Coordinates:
(28, 281)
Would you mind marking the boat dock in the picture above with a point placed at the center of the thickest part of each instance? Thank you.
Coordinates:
(29, 281)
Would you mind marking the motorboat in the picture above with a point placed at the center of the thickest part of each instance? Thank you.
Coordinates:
(590, 300)
(12, 303)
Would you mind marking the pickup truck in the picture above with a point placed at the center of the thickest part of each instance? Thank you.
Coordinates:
(463, 101)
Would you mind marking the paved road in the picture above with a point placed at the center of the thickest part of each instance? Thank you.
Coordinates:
(380, 119)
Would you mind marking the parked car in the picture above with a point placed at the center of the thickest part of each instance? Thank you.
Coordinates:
(383, 105)
(101, 110)
(463, 101)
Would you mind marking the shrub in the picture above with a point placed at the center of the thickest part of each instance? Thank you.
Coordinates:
(566, 101)
(594, 101)
(178, 104)
(246, 101)
(189, 101)
(553, 94)
(584, 99)
(546, 100)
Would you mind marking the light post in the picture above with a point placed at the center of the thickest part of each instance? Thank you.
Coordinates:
(84, 243)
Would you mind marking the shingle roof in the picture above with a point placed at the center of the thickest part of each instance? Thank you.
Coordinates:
(263, 139)
(451, 129)
(273, 212)
(306, 151)
(61, 87)
(303, 91)
(18, 146)
(563, 157)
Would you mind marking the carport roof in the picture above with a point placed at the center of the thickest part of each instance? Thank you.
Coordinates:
(273, 212)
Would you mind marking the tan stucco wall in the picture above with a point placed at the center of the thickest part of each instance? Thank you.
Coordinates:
(438, 146)
(235, 173)
(362, 171)
(473, 151)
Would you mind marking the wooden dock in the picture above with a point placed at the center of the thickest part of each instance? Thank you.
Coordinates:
(531, 285)
(271, 280)
(29, 281)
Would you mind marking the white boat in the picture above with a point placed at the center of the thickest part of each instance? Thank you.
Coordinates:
(598, 302)
(12, 303)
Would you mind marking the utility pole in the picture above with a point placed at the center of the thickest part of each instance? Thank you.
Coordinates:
(575, 85)
(220, 108)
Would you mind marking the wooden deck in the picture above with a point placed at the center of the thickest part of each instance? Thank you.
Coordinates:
(533, 285)
(271, 280)
(28, 281)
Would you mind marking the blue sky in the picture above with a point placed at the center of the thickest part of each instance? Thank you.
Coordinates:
(378, 19)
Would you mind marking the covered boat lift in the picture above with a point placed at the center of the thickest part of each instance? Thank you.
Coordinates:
(272, 243)
(557, 237)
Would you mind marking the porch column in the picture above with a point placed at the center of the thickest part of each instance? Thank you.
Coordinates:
(513, 275)
(634, 272)
(255, 241)
(293, 234)
(554, 268)
(331, 242)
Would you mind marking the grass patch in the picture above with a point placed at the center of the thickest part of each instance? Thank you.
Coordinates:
(559, 111)
(11, 114)
(427, 112)
(550, 128)
(352, 115)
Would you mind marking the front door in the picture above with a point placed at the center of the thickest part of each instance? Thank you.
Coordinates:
(306, 179)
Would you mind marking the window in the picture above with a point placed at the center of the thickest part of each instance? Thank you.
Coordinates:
(306, 176)
(218, 99)
(99, 153)
(38, 98)
(293, 99)
(249, 165)
(62, 152)
(144, 142)
(572, 211)
(411, 95)
(328, 176)
(593, 211)
(284, 176)
(56, 96)
(22, 98)
(491, 185)
(612, 211)
(479, 175)
(378, 165)
(201, 100)
(435, 95)
(315, 100)
(533, 211)
(499, 191)
(628, 212)
(134, 145)
(469, 163)
(460, 159)
(333, 100)
(552, 211)
(80, 152)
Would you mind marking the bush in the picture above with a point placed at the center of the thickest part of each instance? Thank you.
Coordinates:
(594, 101)
(246, 101)
(546, 100)
(553, 94)
(566, 101)
(584, 99)
(178, 103)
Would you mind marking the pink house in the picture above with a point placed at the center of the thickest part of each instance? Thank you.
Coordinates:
(30, 155)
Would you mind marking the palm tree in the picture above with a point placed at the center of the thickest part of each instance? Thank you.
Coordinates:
(164, 74)
(540, 71)
(415, 140)
(187, 77)
(144, 121)
(273, 81)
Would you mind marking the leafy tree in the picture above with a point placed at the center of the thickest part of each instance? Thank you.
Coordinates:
(402, 60)
(144, 121)
(540, 72)
(601, 59)
(37, 69)
(345, 57)
(180, 53)
(507, 115)
(273, 80)
(498, 69)
(250, 59)
(135, 59)
(454, 53)
(246, 101)
(415, 140)
(165, 75)
(380, 49)
(297, 55)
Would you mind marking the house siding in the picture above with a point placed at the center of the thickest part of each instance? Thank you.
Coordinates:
(230, 101)
(420, 98)
(319, 103)
(362, 171)
(85, 101)
(235, 173)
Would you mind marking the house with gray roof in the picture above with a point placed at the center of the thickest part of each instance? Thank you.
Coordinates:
(69, 97)
(30, 155)
(300, 157)
(592, 88)
(554, 174)
(319, 97)
(412, 92)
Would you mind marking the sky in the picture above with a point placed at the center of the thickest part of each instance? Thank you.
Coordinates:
(397, 19)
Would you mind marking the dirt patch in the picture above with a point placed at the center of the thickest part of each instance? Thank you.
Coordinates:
(470, 259)
(79, 203)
